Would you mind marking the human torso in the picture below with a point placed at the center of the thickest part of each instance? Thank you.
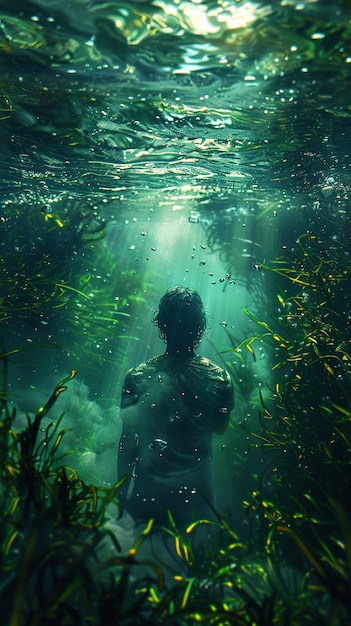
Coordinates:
(171, 407)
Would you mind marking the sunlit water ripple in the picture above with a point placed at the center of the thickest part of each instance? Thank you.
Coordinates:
(124, 95)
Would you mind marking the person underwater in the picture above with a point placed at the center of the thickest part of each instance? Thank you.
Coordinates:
(170, 407)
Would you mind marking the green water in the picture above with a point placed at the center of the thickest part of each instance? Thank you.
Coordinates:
(147, 144)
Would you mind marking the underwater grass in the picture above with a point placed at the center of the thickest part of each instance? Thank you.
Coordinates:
(50, 282)
(51, 532)
(305, 421)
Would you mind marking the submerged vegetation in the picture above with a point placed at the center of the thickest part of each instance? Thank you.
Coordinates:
(62, 563)
(58, 274)
(301, 499)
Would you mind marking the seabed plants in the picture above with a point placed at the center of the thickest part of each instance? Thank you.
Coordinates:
(304, 518)
(295, 569)
(58, 275)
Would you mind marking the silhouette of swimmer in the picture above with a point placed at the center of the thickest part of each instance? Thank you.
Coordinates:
(171, 405)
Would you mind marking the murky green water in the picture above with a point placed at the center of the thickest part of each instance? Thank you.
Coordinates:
(147, 144)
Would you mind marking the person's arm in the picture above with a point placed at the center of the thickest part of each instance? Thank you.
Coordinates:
(225, 408)
(128, 444)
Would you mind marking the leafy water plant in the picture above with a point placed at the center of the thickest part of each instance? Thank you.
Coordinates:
(50, 283)
(52, 535)
(301, 499)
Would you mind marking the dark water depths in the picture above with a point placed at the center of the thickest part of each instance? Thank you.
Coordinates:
(146, 144)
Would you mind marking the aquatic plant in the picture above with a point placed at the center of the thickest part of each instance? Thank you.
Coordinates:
(301, 498)
(50, 281)
(223, 223)
(54, 564)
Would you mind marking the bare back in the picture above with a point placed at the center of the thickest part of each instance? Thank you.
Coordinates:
(170, 407)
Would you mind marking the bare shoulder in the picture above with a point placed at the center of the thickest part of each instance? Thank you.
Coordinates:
(138, 379)
(212, 370)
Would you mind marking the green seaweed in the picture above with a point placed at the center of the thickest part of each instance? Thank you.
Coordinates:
(50, 282)
(52, 533)
(305, 422)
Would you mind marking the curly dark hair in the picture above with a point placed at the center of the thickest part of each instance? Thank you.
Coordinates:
(181, 318)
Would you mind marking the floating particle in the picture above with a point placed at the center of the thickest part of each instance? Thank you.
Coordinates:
(327, 190)
(257, 267)
(202, 262)
(158, 444)
(194, 219)
(153, 249)
(173, 417)
(223, 324)
(202, 246)
(143, 233)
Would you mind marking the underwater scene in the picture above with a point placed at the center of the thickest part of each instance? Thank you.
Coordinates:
(175, 308)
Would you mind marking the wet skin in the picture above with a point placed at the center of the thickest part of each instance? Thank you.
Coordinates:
(171, 405)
